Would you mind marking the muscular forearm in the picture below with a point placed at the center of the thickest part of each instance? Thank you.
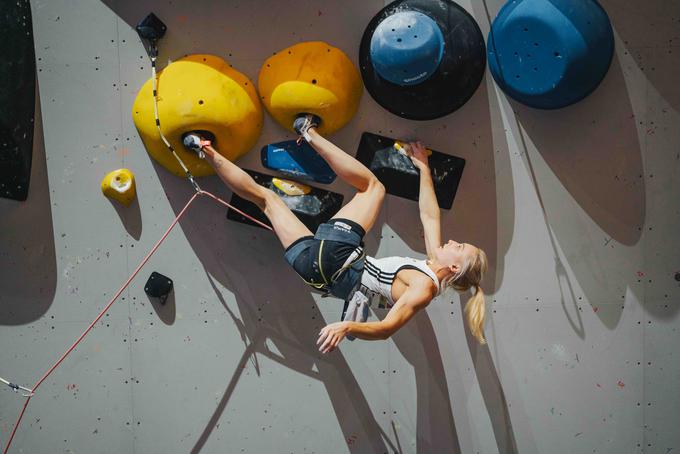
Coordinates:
(427, 200)
(215, 159)
(229, 172)
(235, 177)
(369, 330)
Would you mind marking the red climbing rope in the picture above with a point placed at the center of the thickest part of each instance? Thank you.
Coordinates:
(114, 298)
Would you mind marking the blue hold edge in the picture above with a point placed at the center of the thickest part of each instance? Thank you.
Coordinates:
(297, 161)
(549, 54)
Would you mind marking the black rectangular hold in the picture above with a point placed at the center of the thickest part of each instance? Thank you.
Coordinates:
(17, 98)
(401, 177)
(312, 209)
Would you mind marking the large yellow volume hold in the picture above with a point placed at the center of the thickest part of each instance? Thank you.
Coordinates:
(199, 93)
(311, 77)
(120, 185)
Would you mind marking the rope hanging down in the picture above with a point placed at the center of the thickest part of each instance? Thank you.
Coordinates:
(31, 392)
(154, 54)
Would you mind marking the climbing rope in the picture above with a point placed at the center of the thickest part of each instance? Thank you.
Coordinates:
(153, 52)
(30, 392)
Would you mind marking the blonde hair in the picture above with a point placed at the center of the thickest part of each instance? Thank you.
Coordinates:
(470, 275)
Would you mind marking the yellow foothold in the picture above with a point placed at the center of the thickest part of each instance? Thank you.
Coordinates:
(289, 187)
(120, 185)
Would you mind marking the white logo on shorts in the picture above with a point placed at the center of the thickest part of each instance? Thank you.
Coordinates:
(342, 225)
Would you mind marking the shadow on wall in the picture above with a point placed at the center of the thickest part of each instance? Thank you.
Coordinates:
(175, 44)
(28, 257)
(592, 147)
(130, 217)
(290, 322)
(494, 394)
(187, 33)
(652, 25)
(481, 207)
(482, 214)
(436, 428)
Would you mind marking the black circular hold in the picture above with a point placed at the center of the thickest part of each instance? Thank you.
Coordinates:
(677, 276)
(453, 83)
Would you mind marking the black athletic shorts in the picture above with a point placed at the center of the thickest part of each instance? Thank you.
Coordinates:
(303, 254)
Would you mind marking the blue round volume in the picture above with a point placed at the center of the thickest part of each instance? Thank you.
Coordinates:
(406, 48)
(550, 53)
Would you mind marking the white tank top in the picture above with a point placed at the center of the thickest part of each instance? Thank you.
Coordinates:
(379, 274)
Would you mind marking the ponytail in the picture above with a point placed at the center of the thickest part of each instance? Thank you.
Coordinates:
(469, 276)
(475, 310)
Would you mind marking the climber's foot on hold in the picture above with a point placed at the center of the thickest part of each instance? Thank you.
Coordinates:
(303, 122)
(194, 142)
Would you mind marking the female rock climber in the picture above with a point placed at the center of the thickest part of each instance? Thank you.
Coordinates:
(332, 259)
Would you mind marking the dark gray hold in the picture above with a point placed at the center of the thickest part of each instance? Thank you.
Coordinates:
(400, 176)
(17, 98)
(151, 28)
(158, 286)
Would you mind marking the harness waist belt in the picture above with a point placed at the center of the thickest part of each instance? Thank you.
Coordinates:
(336, 232)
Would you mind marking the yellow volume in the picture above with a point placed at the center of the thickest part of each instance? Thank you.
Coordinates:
(311, 77)
(199, 93)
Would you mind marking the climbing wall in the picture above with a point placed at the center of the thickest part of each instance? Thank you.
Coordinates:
(578, 210)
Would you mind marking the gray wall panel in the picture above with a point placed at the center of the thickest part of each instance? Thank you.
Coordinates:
(577, 209)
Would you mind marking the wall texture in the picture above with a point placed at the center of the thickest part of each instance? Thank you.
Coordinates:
(578, 209)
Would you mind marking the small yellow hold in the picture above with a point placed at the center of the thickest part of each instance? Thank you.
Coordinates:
(403, 148)
(289, 187)
(400, 148)
(120, 185)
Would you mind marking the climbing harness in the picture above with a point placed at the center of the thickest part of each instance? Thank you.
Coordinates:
(343, 280)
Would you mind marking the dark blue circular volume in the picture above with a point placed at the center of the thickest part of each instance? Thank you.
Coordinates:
(422, 59)
(550, 53)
